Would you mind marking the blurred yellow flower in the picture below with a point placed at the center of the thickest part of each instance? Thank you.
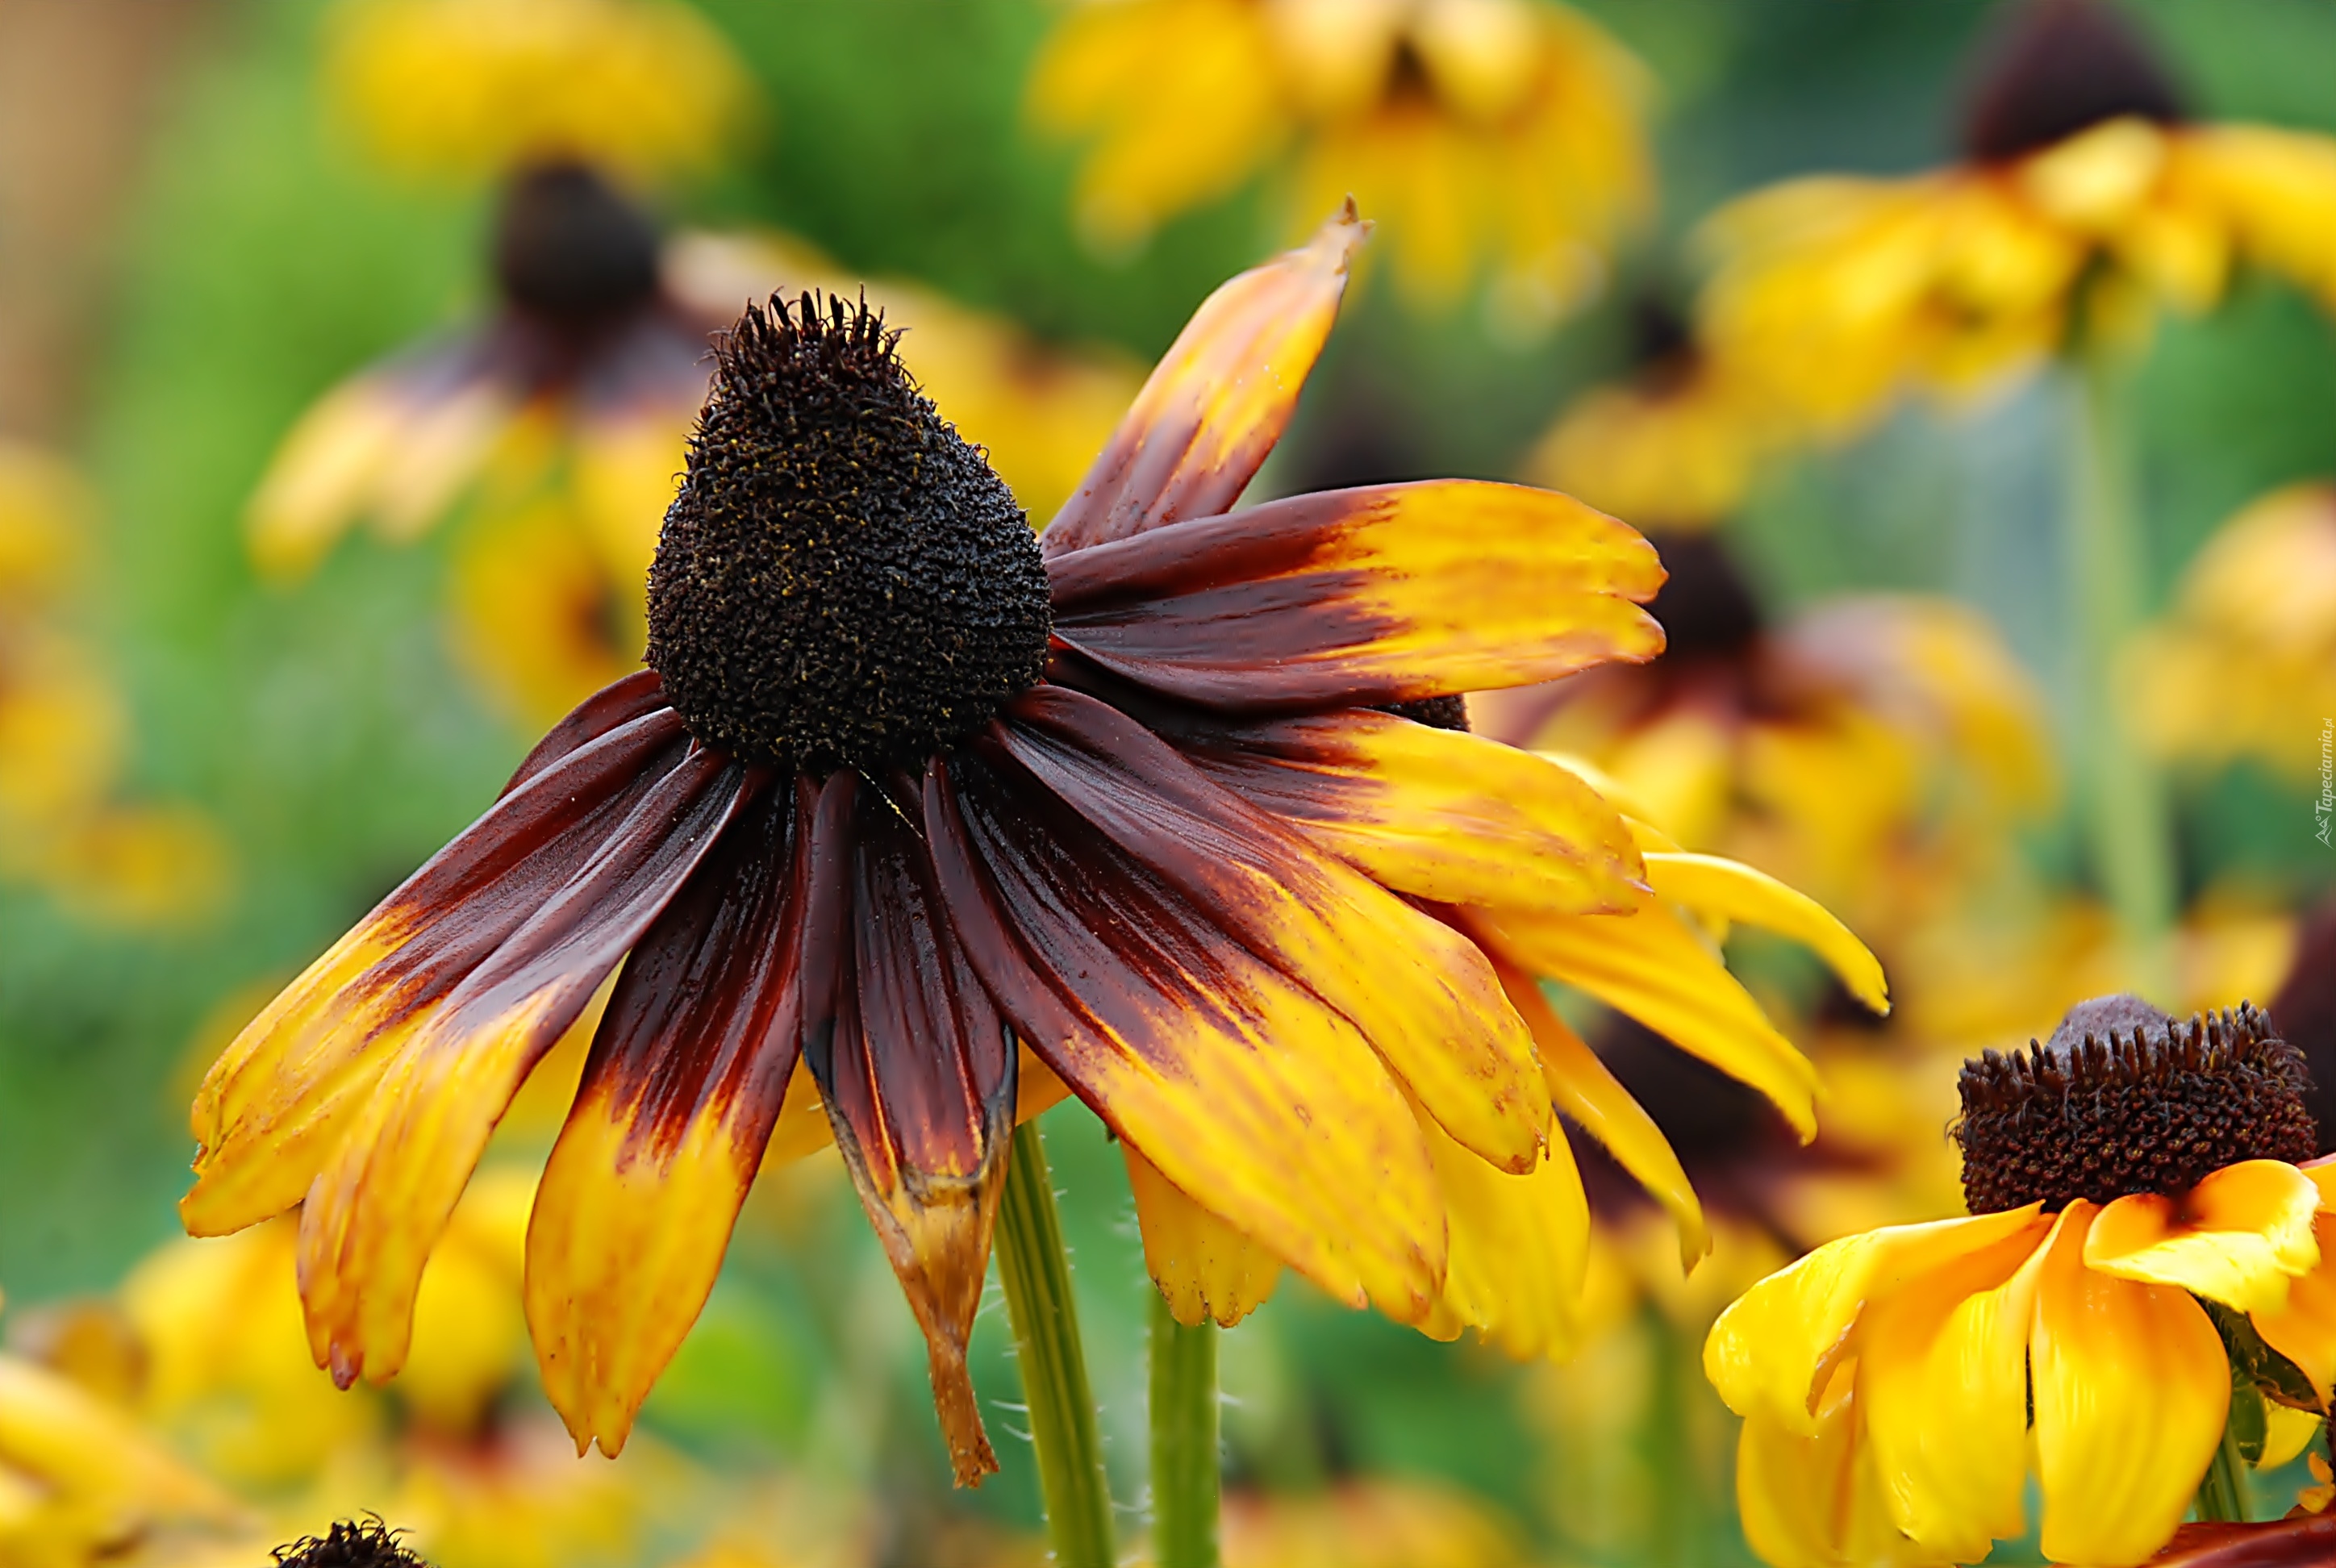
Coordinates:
(2085, 199)
(64, 730)
(1369, 1522)
(1500, 135)
(1868, 750)
(1674, 449)
(2243, 665)
(472, 90)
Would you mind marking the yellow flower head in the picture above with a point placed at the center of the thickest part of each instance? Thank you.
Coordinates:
(2145, 1207)
(2243, 665)
(2086, 198)
(472, 90)
(1487, 134)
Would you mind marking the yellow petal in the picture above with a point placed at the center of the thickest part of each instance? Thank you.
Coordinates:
(2288, 1434)
(1814, 1500)
(2303, 1327)
(2237, 1237)
(1770, 1348)
(1711, 885)
(2131, 1388)
(1207, 1269)
(1943, 1375)
(1586, 1092)
(1520, 1249)
(1652, 967)
(1219, 398)
(1437, 813)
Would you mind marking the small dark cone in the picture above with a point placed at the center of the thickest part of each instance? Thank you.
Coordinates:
(349, 1543)
(2055, 68)
(1435, 712)
(571, 251)
(2305, 1012)
(1706, 607)
(2122, 1100)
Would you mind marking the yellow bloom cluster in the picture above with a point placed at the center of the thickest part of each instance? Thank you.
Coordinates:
(468, 90)
(64, 730)
(1505, 132)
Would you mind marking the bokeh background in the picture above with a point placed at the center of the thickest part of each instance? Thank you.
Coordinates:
(200, 236)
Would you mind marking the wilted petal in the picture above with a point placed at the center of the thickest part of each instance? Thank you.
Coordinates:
(687, 1072)
(1361, 598)
(1205, 1268)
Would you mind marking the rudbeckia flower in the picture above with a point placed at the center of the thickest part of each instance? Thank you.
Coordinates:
(1488, 133)
(1867, 750)
(897, 791)
(2142, 1260)
(2082, 176)
(2243, 665)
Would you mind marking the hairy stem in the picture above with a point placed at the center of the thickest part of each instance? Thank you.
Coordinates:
(1037, 1274)
(1184, 1475)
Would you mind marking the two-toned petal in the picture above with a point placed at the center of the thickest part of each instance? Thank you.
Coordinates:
(1218, 400)
(687, 1073)
(1437, 813)
(1362, 598)
(2239, 1237)
(382, 1198)
(276, 1103)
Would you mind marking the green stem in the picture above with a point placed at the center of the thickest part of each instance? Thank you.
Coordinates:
(2222, 1492)
(1184, 1476)
(1037, 1274)
(2127, 819)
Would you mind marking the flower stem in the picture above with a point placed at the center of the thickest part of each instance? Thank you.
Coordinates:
(1184, 1477)
(2222, 1491)
(2127, 819)
(1037, 1274)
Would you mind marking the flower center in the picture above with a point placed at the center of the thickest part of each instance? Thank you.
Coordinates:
(571, 250)
(2123, 1099)
(841, 581)
(2060, 67)
(1705, 607)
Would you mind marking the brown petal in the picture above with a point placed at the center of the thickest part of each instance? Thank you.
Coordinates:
(614, 705)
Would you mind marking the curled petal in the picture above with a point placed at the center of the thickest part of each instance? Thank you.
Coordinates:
(379, 1203)
(917, 1071)
(275, 1105)
(2238, 1237)
(2131, 1388)
(1205, 1269)
(1650, 966)
(1218, 400)
(2303, 1327)
(1774, 1347)
(686, 1075)
(1437, 813)
(1362, 598)
(1710, 885)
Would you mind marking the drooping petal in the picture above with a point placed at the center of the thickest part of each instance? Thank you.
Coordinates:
(2238, 1237)
(1206, 1269)
(2131, 1388)
(1813, 1499)
(1711, 885)
(2303, 1327)
(1650, 966)
(1218, 400)
(274, 1105)
(687, 1072)
(1586, 1092)
(1421, 993)
(1199, 1049)
(917, 1070)
(1520, 1250)
(1437, 813)
(1772, 1348)
(381, 1200)
(613, 706)
(1942, 1376)
(1361, 598)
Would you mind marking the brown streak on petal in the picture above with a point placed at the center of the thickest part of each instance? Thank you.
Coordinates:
(615, 705)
